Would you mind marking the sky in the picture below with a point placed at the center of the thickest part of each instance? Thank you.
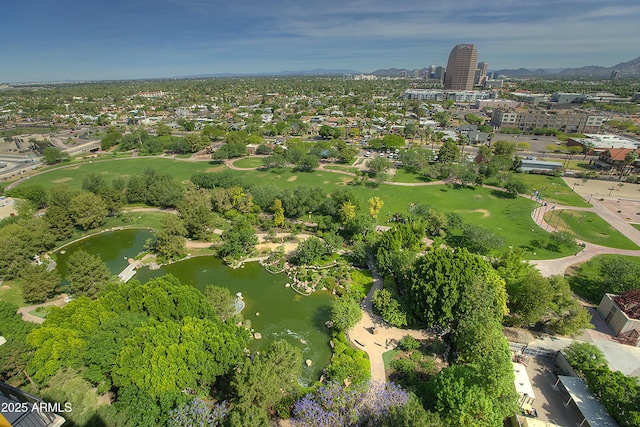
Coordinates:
(55, 40)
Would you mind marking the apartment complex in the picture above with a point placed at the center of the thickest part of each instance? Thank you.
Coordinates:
(568, 121)
(461, 68)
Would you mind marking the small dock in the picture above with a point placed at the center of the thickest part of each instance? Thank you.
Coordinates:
(126, 274)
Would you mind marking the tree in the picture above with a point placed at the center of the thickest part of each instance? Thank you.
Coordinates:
(309, 251)
(345, 313)
(375, 204)
(480, 239)
(221, 300)
(38, 283)
(449, 152)
(87, 210)
(503, 148)
(167, 357)
(438, 282)
(347, 211)
(379, 165)
(515, 187)
(240, 240)
(53, 155)
(170, 239)
(86, 273)
(278, 213)
(265, 381)
(389, 308)
(195, 213)
(619, 274)
(326, 131)
(391, 141)
(347, 154)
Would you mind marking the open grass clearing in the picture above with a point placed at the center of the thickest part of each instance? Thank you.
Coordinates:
(346, 168)
(11, 292)
(588, 226)
(402, 175)
(110, 169)
(248, 162)
(510, 218)
(553, 189)
(585, 279)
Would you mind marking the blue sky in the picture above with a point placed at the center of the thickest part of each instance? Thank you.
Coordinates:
(48, 40)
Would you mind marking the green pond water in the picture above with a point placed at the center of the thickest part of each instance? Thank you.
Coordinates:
(275, 311)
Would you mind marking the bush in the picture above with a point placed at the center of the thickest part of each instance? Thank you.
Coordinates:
(408, 343)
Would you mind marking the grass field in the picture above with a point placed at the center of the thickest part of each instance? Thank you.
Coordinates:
(589, 227)
(248, 162)
(12, 294)
(403, 176)
(347, 168)
(554, 189)
(387, 357)
(585, 279)
(510, 218)
(636, 226)
(109, 169)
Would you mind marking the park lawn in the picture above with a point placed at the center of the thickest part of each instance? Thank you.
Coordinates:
(508, 217)
(554, 189)
(337, 167)
(13, 294)
(248, 162)
(387, 357)
(402, 175)
(590, 227)
(636, 226)
(362, 281)
(585, 279)
(41, 311)
(110, 168)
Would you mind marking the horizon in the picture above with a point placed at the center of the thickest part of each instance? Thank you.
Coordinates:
(74, 41)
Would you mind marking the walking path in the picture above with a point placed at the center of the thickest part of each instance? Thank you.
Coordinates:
(376, 344)
(557, 266)
(26, 316)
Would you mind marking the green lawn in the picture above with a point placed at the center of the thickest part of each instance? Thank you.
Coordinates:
(403, 176)
(248, 162)
(585, 279)
(510, 218)
(554, 189)
(12, 295)
(636, 226)
(589, 227)
(387, 357)
(342, 168)
(362, 281)
(112, 168)
(41, 311)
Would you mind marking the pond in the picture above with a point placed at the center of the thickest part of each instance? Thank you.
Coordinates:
(275, 311)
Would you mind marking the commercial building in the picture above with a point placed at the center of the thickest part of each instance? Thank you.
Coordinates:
(441, 95)
(599, 143)
(567, 121)
(461, 68)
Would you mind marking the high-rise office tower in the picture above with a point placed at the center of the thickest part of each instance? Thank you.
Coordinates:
(461, 68)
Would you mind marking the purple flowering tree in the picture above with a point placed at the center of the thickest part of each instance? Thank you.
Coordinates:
(198, 413)
(335, 405)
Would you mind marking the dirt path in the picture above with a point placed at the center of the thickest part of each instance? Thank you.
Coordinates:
(24, 311)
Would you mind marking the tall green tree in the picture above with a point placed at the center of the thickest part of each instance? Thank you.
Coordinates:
(87, 210)
(38, 283)
(86, 273)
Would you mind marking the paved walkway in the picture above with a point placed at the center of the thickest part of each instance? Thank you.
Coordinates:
(557, 266)
(362, 333)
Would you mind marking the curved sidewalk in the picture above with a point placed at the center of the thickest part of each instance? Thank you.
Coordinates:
(558, 266)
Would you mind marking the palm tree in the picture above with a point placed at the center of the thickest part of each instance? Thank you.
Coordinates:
(629, 159)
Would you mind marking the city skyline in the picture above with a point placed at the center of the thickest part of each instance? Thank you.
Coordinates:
(74, 40)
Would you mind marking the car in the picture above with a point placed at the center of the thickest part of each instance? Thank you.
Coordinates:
(367, 154)
(534, 139)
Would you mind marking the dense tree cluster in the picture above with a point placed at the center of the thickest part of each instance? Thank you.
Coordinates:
(618, 393)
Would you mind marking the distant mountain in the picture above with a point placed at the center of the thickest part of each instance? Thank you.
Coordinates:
(314, 72)
(628, 69)
(395, 72)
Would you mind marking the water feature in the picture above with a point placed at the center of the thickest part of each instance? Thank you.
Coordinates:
(113, 247)
(275, 311)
